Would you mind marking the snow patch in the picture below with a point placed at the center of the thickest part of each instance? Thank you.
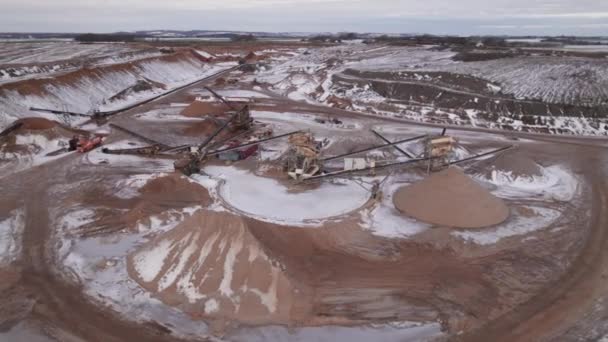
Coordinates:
(385, 220)
(211, 306)
(539, 218)
(268, 200)
(225, 286)
(556, 183)
(10, 236)
(205, 54)
(394, 331)
(148, 263)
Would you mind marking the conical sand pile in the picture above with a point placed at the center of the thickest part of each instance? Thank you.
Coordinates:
(450, 198)
(212, 267)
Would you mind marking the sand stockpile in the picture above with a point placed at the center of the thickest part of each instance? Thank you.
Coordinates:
(203, 108)
(37, 123)
(42, 126)
(156, 199)
(205, 127)
(450, 198)
(212, 267)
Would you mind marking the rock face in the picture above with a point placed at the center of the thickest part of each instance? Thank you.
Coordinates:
(212, 267)
(450, 198)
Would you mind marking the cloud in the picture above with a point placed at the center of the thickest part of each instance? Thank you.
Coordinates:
(432, 16)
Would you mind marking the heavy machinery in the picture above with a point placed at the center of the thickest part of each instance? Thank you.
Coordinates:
(302, 159)
(240, 120)
(84, 144)
(190, 162)
(440, 150)
(243, 119)
(190, 157)
(437, 153)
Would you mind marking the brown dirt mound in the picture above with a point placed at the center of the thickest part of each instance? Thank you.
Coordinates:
(517, 164)
(39, 86)
(450, 198)
(202, 108)
(250, 56)
(159, 195)
(203, 128)
(37, 123)
(212, 267)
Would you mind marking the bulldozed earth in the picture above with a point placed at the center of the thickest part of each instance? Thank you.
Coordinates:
(119, 246)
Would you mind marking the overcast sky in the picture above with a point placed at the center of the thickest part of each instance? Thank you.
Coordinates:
(463, 17)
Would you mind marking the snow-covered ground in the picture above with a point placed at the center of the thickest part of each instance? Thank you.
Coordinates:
(309, 76)
(42, 52)
(166, 114)
(34, 152)
(398, 331)
(232, 93)
(100, 264)
(10, 237)
(268, 200)
(569, 80)
(556, 184)
(25, 60)
(519, 224)
(304, 119)
(93, 91)
(24, 332)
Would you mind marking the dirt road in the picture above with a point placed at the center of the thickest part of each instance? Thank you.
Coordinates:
(553, 310)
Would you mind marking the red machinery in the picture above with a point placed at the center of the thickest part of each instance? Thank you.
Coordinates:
(83, 144)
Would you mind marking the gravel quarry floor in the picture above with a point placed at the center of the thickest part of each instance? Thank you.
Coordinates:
(99, 247)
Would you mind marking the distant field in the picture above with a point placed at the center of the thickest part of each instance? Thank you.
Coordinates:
(45, 51)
